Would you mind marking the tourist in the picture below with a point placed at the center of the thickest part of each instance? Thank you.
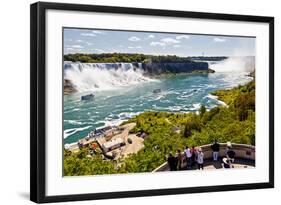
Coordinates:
(200, 159)
(230, 155)
(228, 146)
(179, 159)
(194, 156)
(188, 156)
(216, 148)
(80, 144)
(172, 162)
(93, 147)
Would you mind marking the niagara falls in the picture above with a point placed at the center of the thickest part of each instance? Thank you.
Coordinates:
(123, 90)
(138, 101)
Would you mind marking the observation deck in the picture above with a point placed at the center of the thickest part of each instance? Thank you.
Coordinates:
(244, 157)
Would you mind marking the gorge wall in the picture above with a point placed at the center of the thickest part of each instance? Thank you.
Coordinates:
(174, 67)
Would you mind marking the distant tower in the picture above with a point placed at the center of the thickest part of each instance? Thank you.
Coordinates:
(203, 54)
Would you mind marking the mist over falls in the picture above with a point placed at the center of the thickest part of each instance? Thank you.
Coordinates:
(234, 64)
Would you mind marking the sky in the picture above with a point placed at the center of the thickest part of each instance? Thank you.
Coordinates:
(110, 41)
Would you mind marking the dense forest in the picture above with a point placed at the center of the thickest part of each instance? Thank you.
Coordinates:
(234, 122)
(130, 58)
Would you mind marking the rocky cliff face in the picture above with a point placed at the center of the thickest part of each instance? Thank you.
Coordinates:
(187, 67)
(69, 87)
(253, 74)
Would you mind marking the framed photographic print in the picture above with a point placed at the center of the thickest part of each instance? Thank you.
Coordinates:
(129, 102)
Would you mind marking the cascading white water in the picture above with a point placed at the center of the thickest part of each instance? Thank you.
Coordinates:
(234, 64)
(103, 76)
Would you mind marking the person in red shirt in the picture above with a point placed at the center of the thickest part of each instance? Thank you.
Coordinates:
(94, 146)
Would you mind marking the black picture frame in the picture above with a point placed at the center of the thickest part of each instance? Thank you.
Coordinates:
(38, 100)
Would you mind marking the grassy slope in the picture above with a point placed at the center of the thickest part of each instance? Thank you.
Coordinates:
(235, 123)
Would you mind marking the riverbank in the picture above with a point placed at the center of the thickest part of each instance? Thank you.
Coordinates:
(168, 132)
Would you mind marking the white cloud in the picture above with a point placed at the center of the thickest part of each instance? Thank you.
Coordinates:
(72, 50)
(177, 46)
(182, 37)
(97, 32)
(83, 42)
(99, 50)
(169, 41)
(165, 41)
(219, 40)
(151, 36)
(114, 50)
(154, 43)
(76, 46)
(88, 34)
(132, 47)
(134, 38)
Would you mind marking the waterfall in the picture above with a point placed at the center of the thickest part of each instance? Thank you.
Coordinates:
(103, 76)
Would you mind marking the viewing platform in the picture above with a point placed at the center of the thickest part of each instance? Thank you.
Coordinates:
(244, 157)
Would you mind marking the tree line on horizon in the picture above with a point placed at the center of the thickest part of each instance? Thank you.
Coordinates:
(135, 57)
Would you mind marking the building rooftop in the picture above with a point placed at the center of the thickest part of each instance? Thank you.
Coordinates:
(113, 142)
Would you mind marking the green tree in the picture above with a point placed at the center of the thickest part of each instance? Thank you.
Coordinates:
(202, 110)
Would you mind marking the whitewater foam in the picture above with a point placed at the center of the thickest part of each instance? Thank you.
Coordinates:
(196, 106)
(214, 97)
(68, 132)
(74, 122)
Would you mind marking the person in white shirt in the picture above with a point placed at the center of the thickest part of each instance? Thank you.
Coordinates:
(188, 156)
(200, 159)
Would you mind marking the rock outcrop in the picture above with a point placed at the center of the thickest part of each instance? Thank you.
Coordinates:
(68, 87)
(253, 73)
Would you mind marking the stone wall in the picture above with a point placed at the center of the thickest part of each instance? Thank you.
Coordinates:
(241, 151)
